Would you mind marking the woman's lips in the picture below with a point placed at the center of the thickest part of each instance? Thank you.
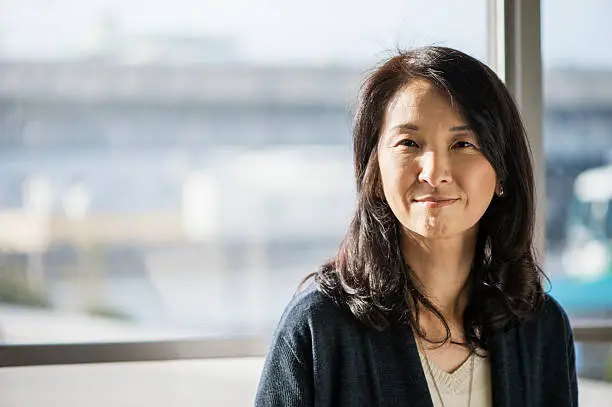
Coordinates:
(435, 203)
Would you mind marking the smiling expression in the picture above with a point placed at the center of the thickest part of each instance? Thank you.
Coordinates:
(434, 176)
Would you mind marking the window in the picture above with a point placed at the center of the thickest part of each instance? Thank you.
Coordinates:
(173, 169)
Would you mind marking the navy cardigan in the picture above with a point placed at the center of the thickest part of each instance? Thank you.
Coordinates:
(322, 356)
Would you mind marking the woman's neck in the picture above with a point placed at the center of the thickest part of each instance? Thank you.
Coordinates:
(442, 267)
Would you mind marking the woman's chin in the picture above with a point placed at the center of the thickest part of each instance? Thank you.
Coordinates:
(440, 230)
(431, 231)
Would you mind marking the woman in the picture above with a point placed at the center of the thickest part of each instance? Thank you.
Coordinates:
(434, 297)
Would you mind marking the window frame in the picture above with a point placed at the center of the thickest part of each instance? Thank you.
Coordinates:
(111, 352)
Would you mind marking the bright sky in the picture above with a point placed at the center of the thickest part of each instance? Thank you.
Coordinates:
(574, 33)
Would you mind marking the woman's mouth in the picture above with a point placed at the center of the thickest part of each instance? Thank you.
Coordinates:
(435, 202)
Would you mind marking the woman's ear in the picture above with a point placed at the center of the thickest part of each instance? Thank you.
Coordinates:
(499, 190)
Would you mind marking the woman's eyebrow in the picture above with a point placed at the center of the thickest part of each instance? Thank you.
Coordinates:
(412, 126)
(406, 126)
(464, 127)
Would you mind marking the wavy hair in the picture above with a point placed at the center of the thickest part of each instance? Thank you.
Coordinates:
(369, 275)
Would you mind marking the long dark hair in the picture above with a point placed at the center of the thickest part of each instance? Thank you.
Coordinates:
(369, 275)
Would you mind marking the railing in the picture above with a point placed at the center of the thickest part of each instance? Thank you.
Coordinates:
(60, 354)
(592, 330)
(585, 331)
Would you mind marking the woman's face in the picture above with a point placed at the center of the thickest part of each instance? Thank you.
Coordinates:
(434, 176)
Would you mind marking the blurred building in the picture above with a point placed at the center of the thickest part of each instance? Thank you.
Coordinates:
(130, 135)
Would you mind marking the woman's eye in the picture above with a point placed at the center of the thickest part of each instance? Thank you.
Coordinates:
(464, 144)
(409, 143)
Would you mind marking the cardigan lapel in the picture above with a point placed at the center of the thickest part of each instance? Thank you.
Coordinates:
(401, 348)
(506, 378)
(420, 388)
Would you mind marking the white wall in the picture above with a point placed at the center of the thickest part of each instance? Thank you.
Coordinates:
(211, 382)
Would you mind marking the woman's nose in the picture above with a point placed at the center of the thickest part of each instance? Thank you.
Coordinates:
(434, 169)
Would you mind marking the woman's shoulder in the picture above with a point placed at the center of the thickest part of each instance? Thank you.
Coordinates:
(553, 312)
(311, 313)
(551, 319)
(310, 307)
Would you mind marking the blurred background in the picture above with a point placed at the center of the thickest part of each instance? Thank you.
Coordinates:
(172, 170)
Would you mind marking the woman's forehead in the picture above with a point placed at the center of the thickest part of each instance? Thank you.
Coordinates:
(420, 101)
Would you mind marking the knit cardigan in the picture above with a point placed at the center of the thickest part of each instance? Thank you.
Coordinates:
(322, 356)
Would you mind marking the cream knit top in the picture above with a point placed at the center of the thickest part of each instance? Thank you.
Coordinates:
(454, 387)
